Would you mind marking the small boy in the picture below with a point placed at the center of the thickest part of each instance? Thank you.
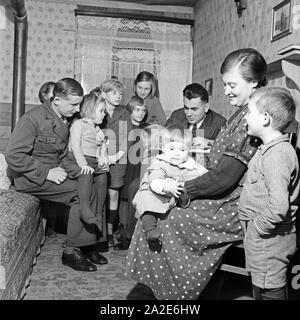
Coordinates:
(115, 127)
(269, 199)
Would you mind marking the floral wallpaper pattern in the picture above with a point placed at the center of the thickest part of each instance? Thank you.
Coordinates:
(50, 51)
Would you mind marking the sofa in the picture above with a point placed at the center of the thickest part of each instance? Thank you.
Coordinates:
(21, 237)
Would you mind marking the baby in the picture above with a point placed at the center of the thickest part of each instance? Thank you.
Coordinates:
(163, 181)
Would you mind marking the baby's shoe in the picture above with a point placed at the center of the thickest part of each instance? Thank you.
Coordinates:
(153, 239)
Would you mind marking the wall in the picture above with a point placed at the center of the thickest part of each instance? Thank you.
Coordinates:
(51, 48)
(219, 30)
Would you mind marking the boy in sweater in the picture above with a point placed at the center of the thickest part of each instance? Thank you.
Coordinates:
(269, 199)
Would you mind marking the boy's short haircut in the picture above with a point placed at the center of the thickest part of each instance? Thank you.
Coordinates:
(278, 103)
(112, 85)
(135, 101)
(67, 86)
(195, 90)
(46, 91)
(177, 133)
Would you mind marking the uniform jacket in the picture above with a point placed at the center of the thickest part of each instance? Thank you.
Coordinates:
(212, 123)
(38, 143)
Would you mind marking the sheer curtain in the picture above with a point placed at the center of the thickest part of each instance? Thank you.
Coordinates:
(122, 47)
(173, 49)
(93, 58)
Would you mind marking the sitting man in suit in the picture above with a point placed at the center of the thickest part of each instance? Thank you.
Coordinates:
(196, 115)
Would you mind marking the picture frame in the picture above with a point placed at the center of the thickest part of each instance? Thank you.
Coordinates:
(208, 85)
(281, 20)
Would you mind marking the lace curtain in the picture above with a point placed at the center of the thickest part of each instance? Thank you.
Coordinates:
(121, 48)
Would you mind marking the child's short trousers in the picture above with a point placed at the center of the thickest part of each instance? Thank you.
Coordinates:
(267, 257)
(116, 176)
(74, 171)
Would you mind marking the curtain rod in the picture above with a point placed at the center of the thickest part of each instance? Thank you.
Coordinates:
(130, 14)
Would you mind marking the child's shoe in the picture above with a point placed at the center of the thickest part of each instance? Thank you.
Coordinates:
(153, 239)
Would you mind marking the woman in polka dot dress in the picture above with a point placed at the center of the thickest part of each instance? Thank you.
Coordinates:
(195, 238)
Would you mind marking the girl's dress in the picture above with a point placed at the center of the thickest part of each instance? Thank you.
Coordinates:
(195, 239)
(155, 111)
(160, 168)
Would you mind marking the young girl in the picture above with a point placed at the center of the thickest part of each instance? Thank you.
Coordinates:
(145, 87)
(87, 148)
(163, 181)
(137, 109)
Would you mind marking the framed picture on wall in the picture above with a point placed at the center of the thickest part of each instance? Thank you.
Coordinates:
(281, 20)
(209, 86)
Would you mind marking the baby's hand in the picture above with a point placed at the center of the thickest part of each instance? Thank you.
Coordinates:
(174, 187)
(86, 169)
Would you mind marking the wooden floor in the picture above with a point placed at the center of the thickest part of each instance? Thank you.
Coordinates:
(51, 280)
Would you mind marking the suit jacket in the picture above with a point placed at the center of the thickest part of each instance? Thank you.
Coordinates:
(38, 143)
(116, 129)
(211, 125)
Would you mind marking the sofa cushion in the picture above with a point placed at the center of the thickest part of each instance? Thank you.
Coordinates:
(19, 214)
(4, 181)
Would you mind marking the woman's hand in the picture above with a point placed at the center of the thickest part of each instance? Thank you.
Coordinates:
(86, 170)
(174, 187)
(183, 200)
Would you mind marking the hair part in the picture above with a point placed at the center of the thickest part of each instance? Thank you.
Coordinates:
(148, 77)
(278, 103)
(67, 86)
(135, 101)
(89, 105)
(251, 64)
(176, 133)
(195, 90)
(46, 91)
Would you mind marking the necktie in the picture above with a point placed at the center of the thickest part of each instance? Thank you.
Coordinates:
(194, 130)
(194, 133)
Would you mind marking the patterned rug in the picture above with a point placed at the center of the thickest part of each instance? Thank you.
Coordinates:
(50, 280)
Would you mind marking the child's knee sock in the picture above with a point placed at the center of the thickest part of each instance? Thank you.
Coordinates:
(149, 220)
(269, 294)
(112, 217)
(275, 294)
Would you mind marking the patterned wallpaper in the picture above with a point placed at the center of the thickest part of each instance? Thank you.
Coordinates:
(50, 51)
(51, 43)
(218, 31)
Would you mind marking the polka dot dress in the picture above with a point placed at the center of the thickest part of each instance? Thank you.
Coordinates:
(194, 239)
